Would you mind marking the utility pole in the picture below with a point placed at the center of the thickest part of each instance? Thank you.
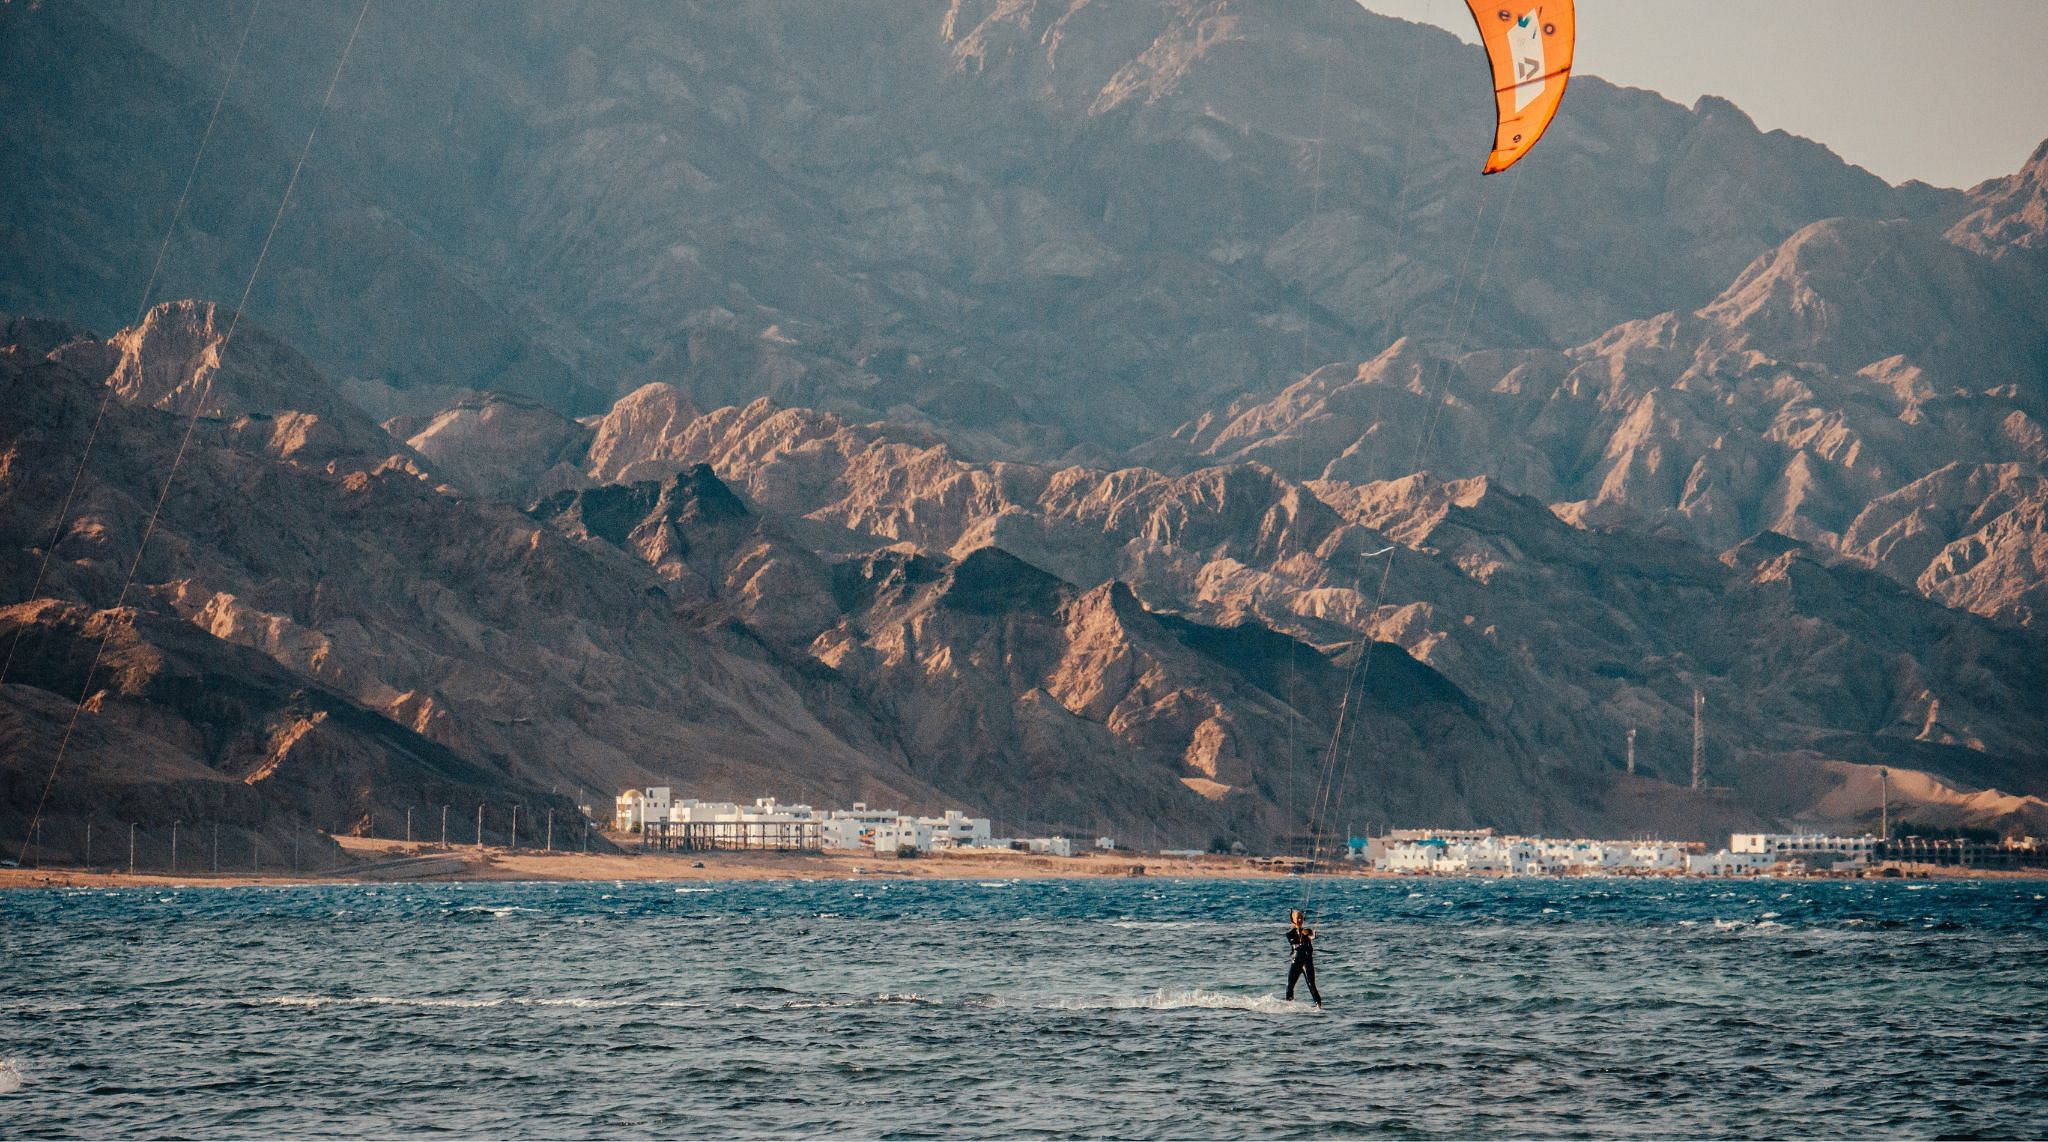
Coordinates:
(514, 847)
(408, 824)
(1884, 804)
(444, 826)
(551, 828)
(479, 826)
(1631, 751)
(174, 847)
(131, 848)
(1699, 739)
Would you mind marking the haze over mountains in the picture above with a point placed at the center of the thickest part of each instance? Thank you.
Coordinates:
(994, 404)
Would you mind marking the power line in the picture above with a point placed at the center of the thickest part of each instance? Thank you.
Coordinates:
(192, 421)
(141, 310)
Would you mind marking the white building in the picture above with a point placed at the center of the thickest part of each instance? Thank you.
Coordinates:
(1478, 850)
(767, 823)
(902, 833)
(632, 809)
(1810, 849)
(1726, 863)
(956, 830)
(1376, 847)
(856, 828)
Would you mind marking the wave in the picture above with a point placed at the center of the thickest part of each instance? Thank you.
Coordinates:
(10, 1076)
(1182, 999)
(1167, 925)
(432, 1002)
(319, 1001)
(885, 999)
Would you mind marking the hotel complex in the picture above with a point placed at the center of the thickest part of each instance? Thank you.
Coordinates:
(669, 824)
(689, 825)
(1481, 851)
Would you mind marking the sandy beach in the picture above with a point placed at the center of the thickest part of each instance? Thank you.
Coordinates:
(467, 862)
(391, 861)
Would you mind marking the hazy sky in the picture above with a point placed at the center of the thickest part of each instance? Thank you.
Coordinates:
(1948, 91)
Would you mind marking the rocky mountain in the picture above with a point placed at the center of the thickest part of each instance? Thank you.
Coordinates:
(1037, 405)
(1561, 638)
(1043, 223)
(459, 621)
(1839, 373)
(184, 726)
(2008, 215)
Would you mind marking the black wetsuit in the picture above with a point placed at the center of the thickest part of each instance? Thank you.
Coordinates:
(1304, 965)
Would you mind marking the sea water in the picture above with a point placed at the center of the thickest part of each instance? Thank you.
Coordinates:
(1139, 1008)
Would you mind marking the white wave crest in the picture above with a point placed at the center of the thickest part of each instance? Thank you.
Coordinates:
(428, 1002)
(1193, 998)
(10, 1076)
(319, 1001)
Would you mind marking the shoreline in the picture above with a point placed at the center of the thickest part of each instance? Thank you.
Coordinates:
(403, 862)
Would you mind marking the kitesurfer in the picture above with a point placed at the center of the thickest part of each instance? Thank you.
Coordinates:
(1302, 939)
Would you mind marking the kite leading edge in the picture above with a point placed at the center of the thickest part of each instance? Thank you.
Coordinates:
(1529, 44)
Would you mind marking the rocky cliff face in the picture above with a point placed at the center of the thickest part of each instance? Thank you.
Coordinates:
(1833, 376)
(2008, 215)
(1559, 638)
(182, 726)
(460, 620)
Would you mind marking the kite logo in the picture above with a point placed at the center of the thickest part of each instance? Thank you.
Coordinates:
(1525, 48)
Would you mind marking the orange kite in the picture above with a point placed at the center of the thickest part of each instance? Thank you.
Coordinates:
(1529, 44)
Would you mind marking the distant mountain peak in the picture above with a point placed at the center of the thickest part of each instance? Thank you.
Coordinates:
(2011, 213)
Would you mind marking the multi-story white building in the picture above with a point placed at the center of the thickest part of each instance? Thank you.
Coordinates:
(632, 809)
(1476, 850)
(956, 830)
(1809, 848)
(856, 828)
(767, 823)
(902, 833)
(1726, 863)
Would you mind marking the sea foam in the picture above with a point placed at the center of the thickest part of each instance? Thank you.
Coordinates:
(1183, 999)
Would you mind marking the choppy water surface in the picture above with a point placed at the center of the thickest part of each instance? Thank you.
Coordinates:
(1129, 1008)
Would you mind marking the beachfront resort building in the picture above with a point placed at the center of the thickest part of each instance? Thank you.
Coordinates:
(690, 825)
(635, 807)
(1810, 849)
(1480, 851)
(1448, 851)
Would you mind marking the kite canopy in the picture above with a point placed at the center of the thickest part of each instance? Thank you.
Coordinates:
(1529, 44)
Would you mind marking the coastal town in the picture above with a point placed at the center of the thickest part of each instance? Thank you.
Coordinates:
(661, 822)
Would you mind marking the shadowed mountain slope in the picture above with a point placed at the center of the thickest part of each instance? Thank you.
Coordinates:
(1160, 204)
